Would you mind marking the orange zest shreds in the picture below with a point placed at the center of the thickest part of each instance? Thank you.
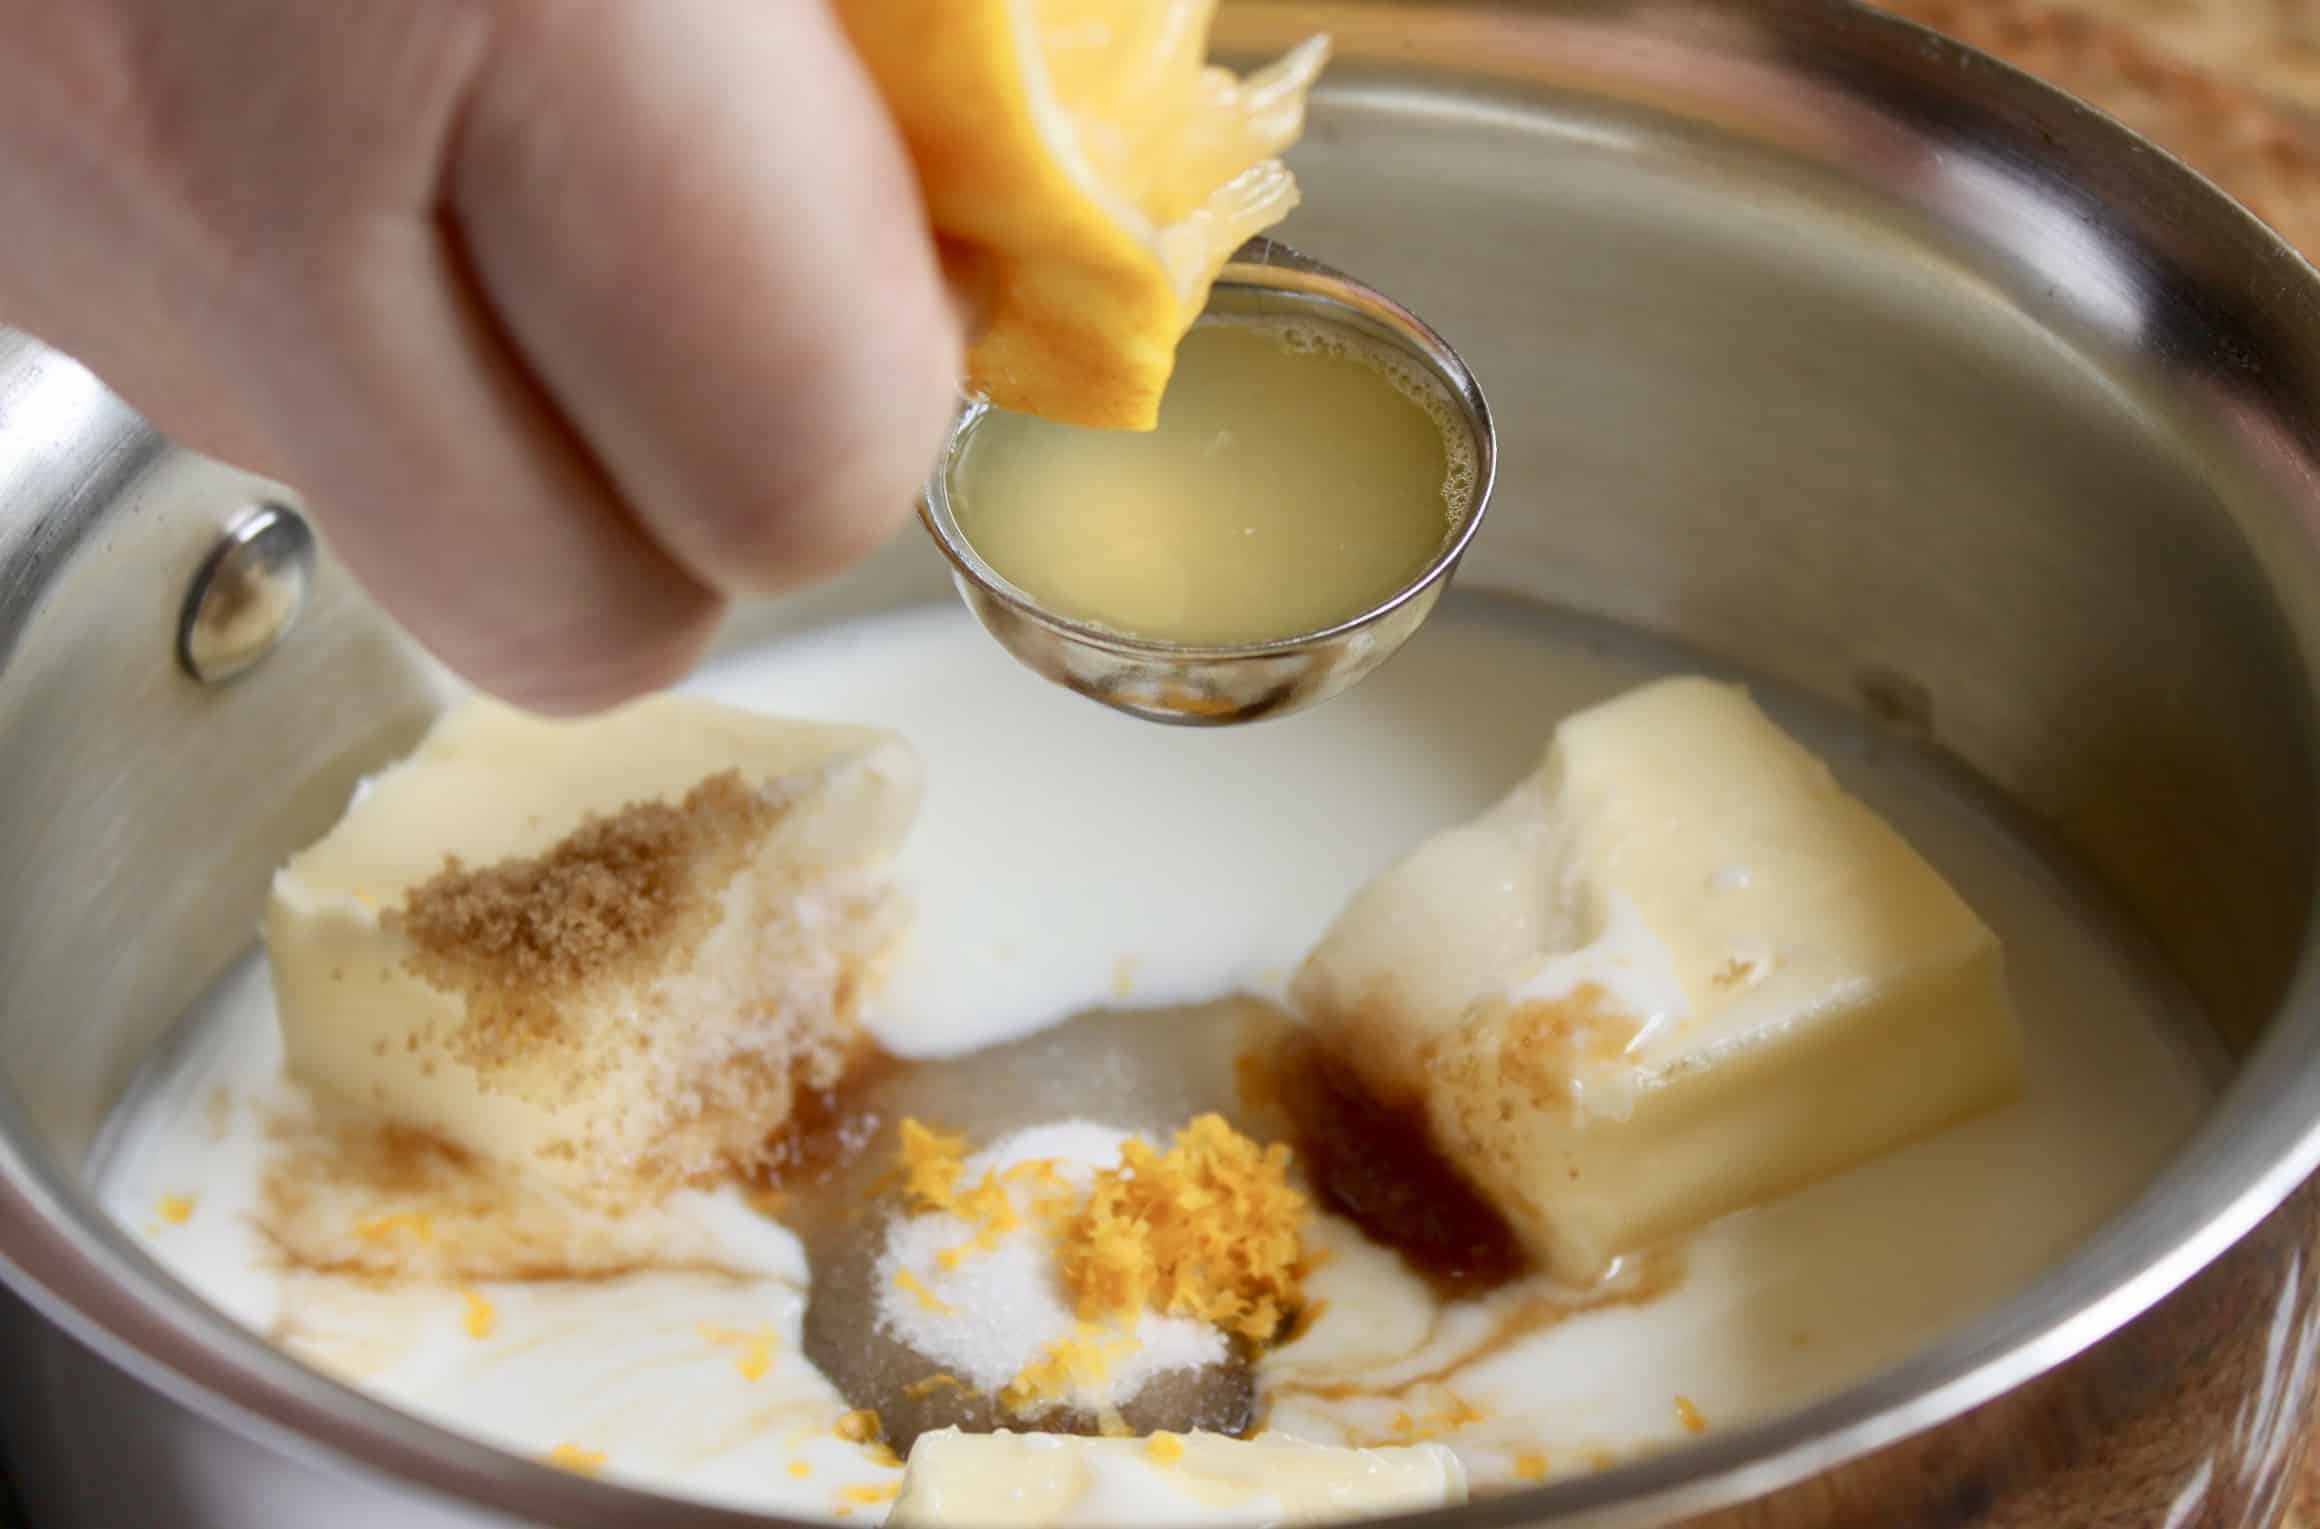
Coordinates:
(933, 1383)
(571, 1457)
(1056, 1197)
(800, 1469)
(174, 1209)
(1083, 1359)
(882, 1491)
(478, 1316)
(1689, 1415)
(1166, 1448)
(1531, 1465)
(416, 1223)
(756, 1345)
(1452, 1415)
(861, 1426)
(1211, 1228)
(990, 1208)
(879, 1452)
(931, 1164)
(755, 1358)
(1460, 1412)
(1052, 1209)
(926, 1298)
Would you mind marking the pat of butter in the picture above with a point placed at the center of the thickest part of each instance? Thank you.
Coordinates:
(616, 1013)
(1054, 1481)
(1676, 972)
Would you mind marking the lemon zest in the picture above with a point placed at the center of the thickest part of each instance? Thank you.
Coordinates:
(926, 1298)
(757, 1346)
(932, 1162)
(933, 1383)
(417, 1223)
(1082, 1360)
(1211, 1228)
(575, 1458)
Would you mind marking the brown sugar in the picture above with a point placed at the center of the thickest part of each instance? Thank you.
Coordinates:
(617, 896)
(1549, 1040)
(611, 956)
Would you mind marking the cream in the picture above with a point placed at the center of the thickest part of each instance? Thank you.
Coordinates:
(1060, 848)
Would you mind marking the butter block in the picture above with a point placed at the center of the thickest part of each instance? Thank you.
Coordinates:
(1676, 972)
(959, 1480)
(609, 952)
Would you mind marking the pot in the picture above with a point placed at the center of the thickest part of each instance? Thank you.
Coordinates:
(1817, 344)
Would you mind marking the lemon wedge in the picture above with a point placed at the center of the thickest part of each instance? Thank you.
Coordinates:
(1088, 172)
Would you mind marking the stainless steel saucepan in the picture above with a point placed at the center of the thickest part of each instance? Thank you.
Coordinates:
(1814, 342)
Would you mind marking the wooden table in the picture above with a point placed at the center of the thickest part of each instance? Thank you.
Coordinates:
(2230, 86)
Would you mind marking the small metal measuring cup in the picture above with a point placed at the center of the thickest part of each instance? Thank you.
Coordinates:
(1195, 685)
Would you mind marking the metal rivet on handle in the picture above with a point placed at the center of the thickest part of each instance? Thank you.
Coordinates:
(246, 595)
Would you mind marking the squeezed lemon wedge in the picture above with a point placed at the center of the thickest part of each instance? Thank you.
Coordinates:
(1088, 173)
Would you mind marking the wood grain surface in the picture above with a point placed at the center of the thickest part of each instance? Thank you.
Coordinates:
(2232, 87)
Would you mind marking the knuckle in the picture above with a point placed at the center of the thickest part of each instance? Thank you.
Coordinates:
(575, 662)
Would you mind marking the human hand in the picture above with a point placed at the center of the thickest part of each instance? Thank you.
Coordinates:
(571, 318)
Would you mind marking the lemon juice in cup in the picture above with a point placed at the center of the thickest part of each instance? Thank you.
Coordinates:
(1192, 515)
(1298, 477)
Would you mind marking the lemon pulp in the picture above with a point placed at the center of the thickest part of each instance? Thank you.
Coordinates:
(1088, 172)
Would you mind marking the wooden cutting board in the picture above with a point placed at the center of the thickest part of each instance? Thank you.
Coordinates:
(2230, 86)
(2270, 47)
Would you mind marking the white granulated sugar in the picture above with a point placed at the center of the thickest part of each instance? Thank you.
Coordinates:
(1005, 1306)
